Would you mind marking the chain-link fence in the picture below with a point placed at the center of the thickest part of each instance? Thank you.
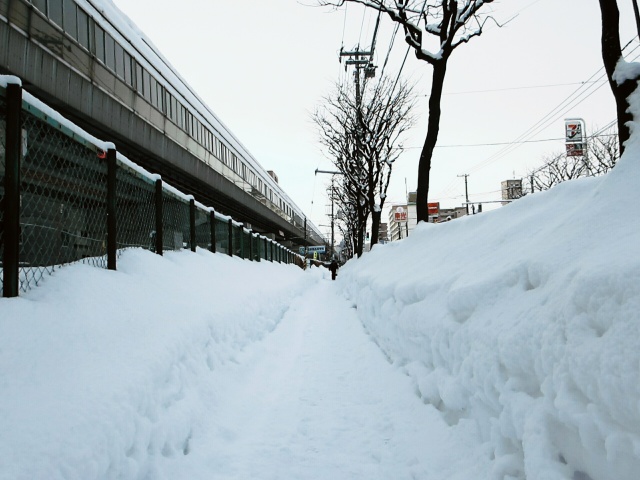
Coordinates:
(63, 200)
(76, 200)
(222, 236)
(135, 208)
(203, 228)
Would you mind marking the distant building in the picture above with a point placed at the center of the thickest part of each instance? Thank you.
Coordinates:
(397, 227)
(511, 190)
(446, 214)
(403, 217)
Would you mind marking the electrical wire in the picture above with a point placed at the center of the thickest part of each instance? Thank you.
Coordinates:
(574, 99)
(344, 24)
(364, 14)
(578, 96)
(529, 87)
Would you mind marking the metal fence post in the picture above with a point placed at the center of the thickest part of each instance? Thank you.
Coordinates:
(192, 224)
(111, 209)
(266, 255)
(212, 223)
(11, 217)
(230, 237)
(159, 225)
(251, 245)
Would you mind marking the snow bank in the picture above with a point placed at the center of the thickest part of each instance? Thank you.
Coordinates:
(108, 374)
(524, 321)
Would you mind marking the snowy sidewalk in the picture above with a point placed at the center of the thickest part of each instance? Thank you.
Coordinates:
(316, 399)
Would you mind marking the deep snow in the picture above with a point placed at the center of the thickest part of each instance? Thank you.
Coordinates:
(499, 346)
(504, 345)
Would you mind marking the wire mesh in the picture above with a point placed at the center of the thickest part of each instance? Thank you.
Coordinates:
(203, 228)
(237, 241)
(63, 205)
(135, 209)
(63, 202)
(246, 244)
(263, 249)
(222, 236)
(176, 225)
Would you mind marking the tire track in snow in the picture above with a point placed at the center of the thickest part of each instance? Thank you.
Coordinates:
(317, 399)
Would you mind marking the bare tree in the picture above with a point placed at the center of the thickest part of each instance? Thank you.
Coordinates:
(361, 136)
(557, 168)
(339, 135)
(603, 153)
(621, 86)
(386, 116)
(450, 23)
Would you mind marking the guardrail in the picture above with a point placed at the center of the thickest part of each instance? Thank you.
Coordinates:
(68, 197)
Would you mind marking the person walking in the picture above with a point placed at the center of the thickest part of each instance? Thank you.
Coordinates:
(334, 269)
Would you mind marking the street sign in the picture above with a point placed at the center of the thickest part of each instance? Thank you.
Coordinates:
(301, 250)
(320, 249)
(400, 214)
(575, 139)
(575, 149)
(433, 208)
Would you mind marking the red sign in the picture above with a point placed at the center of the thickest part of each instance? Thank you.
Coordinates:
(433, 208)
(400, 214)
(575, 149)
(573, 131)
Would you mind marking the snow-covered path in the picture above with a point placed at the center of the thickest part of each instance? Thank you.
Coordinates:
(317, 399)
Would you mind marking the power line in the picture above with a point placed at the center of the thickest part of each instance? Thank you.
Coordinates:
(573, 100)
(393, 39)
(492, 144)
(506, 89)
(579, 95)
(344, 24)
(364, 13)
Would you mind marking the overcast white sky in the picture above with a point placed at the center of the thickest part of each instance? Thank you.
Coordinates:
(264, 66)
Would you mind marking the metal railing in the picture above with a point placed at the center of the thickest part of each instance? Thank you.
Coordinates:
(67, 197)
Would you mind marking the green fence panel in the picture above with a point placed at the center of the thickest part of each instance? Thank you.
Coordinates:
(237, 241)
(175, 218)
(63, 210)
(222, 236)
(135, 204)
(203, 228)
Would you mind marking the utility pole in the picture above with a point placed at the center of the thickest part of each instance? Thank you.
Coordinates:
(333, 173)
(332, 217)
(466, 191)
(362, 60)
